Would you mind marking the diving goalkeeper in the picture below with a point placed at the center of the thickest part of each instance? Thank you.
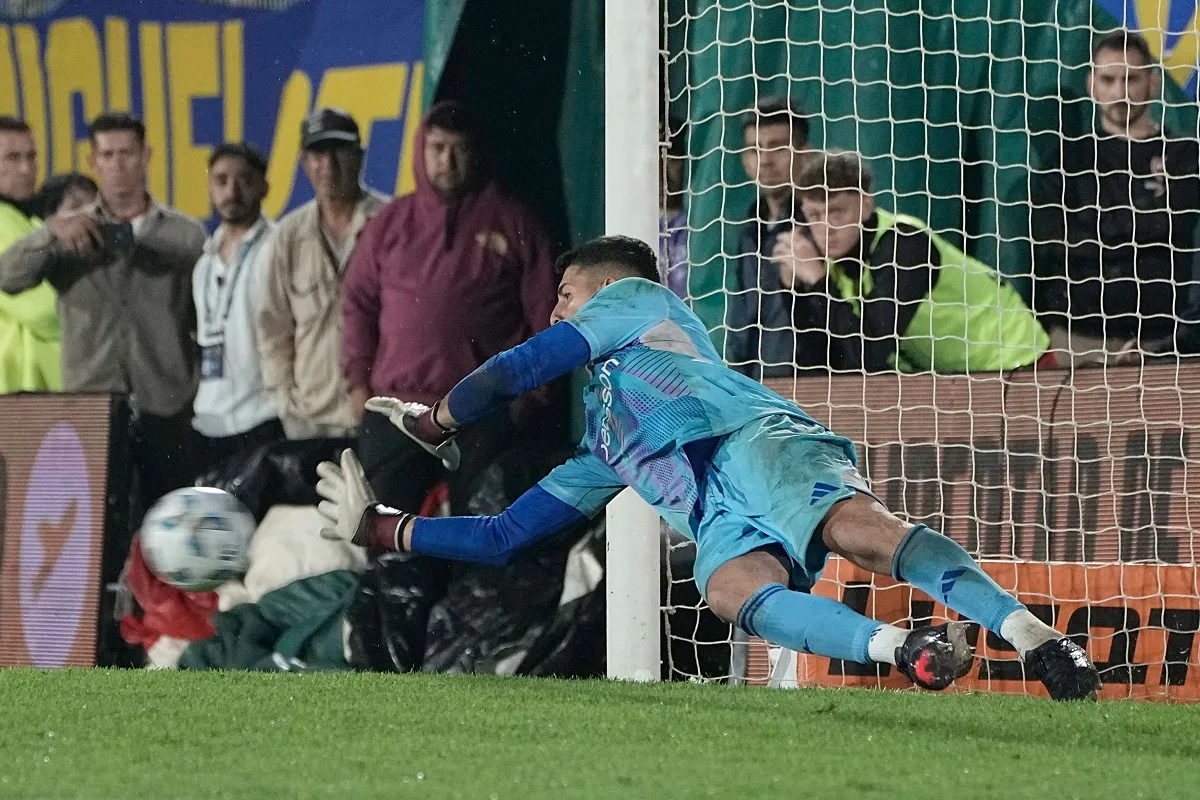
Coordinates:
(765, 491)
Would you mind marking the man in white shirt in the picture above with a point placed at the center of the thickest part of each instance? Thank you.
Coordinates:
(234, 411)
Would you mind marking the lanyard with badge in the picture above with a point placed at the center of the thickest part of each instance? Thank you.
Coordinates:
(216, 314)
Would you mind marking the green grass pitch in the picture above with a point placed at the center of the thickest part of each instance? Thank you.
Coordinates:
(130, 734)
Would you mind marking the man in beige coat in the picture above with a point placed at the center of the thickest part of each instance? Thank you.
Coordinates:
(122, 267)
(300, 324)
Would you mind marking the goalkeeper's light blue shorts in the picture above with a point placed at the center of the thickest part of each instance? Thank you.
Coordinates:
(772, 483)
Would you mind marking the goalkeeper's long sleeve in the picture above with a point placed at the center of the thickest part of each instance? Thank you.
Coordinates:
(494, 540)
(552, 353)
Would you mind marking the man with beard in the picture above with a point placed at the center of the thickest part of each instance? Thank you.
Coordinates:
(442, 280)
(1114, 221)
(233, 410)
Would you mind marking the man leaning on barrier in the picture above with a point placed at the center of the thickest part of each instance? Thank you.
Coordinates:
(893, 293)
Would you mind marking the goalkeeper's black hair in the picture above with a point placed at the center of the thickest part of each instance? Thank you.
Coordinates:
(622, 255)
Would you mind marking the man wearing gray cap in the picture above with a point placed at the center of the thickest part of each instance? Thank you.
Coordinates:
(300, 321)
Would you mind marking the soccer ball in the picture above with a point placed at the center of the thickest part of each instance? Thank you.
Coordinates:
(197, 538)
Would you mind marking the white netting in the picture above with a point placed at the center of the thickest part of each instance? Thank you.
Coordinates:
(1072, 468)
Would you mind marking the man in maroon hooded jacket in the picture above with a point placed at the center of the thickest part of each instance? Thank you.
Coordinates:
(441, 280)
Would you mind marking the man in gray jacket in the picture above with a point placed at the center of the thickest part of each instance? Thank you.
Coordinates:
(122, 267)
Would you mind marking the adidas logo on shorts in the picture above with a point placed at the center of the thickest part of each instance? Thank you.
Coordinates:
(821, 490)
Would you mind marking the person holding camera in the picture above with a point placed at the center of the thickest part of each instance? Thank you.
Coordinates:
(122, 267)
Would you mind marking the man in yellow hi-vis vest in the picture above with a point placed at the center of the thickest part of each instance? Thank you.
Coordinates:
(30, 342)
(894, 294)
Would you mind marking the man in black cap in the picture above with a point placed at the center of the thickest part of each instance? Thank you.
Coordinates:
(300, 321)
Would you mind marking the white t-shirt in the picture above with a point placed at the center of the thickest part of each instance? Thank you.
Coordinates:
(231, 398)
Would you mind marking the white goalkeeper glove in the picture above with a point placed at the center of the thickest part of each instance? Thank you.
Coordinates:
(416, 421)
(347, 496)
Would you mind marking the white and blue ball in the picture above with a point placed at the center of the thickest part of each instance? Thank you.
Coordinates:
(197, 538)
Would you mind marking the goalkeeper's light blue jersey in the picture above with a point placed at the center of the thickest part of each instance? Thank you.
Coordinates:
(658, 398)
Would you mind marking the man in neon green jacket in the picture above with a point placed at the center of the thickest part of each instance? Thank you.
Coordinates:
(892, 293)
(30, 341)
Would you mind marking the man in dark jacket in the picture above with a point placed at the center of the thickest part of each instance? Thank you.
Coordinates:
(763, 341)
(1114, 222)
(441, 280)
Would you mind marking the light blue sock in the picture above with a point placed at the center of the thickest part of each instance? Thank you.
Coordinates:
(807, 623)
(936, 565)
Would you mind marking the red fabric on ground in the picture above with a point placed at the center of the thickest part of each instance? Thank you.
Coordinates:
(166, 611)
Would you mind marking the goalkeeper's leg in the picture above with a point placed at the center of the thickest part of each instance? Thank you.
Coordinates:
(751, 591)
(866, 533)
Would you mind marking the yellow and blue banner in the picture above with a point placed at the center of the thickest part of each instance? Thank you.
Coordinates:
(1170, 29)
(199, 73)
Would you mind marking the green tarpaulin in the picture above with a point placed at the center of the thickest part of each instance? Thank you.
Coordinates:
(940, 95)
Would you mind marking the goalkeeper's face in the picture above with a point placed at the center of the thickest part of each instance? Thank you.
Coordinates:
(835, 220)
(575, 289)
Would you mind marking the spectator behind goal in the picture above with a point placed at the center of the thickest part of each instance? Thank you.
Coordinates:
(299, 326)
(893, 293)
(234, 412)
(672, 218)
(764, 339)
(1114, 222)
(443, 279)
(30, 340)
(122, 267)
(64, 193)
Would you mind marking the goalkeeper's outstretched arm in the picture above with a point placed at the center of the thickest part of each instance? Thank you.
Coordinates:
(493, 540)
(548, 355)
(570, 493)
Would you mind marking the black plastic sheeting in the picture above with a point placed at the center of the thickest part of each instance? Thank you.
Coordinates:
(280, 473)
(415, 613)
(411, 615)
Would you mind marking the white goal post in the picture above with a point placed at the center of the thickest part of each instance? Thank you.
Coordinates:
(631, 108)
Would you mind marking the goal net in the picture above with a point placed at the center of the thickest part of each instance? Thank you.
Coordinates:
(1076, 487)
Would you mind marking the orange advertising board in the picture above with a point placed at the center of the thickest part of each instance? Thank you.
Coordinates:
(1140, 622)
(53, 479)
